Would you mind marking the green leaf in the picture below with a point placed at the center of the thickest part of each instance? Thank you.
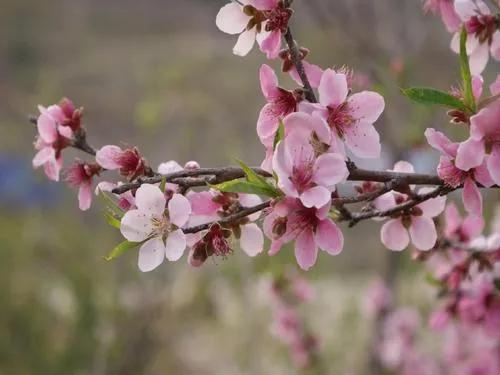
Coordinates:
(112, 220)
(163, 183)
(280, 134)
(111, 204)
(252, 176)
(121, 249)
(426, 95)
(247, 187)
(465, 71)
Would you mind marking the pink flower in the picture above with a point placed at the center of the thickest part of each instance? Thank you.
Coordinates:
(264, 20)
(310, 228)
(453, 176)
(302, 174)
(378, 298)
(483, 36)
(447, 12)
(158, 230)
(280, 102)
(350, 117)
(126, 201)
(52, 139)
(129, 161)
(80, 175)
(209, 206)
(485, 135)
(417, 221)
(461, 230)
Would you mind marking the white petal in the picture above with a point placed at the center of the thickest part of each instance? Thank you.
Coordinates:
(252, 239)
(151, 254)
(176, 244)
(245, 43)
(231, 19)
(136, 226)
(250, 200)
(179, 210)
(150, 200)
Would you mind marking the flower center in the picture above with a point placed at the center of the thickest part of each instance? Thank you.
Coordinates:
(302, 175)
(483, 27)
(304, 218)
(339, 119)
(453, 176)
(277, 18)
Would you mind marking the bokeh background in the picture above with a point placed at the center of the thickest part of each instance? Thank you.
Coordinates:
(158, 74)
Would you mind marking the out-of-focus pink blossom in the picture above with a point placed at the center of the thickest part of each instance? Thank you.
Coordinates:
(80, 176)
(128, 161)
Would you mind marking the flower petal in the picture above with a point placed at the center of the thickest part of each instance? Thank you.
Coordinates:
(366, 106)
(251, 239)
(363, 140)
(268, 82)
(471, 196)
(151, 254)
(317, 197)
(231, 19)
(330, 169)
(329, 237)
(271, 44)
(43, 156)
(493, 164)
(434, 206)
(423, 232)
(441, 142)
(136, 226)
(85, 196)
(179, 210)
(150, 200)
(175, 246)
(245, 42)
(108, 157)
(306, 250)
(169, 167)
(470, 154)
(332, 88)
(250, 200)
(47, 128)
(394, 236)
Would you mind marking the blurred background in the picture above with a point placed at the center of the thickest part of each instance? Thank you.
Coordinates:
(158, 74)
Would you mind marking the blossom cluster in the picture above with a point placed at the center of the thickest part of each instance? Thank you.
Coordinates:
(308, 148)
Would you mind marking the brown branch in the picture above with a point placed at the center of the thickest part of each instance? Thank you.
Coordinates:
(229, 219)
(415, 200)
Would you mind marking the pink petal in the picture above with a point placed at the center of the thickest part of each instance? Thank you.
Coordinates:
(423, 232)
(449, 16)
(313, 72)
(231, 19)
(403, 167)
(271, 45)
(169, 167)
(268, 122)
(467, 9)
(479, 59)
(363, 140)
(434, 206)
(282, 165)
(452, 219)
(317, 197)
(486, 122)
(385, 202)
(495, 46)
(275, 247)
(470, 154)
(306, 124)
(179, 210)
(493, 164)
(329, 237)
(104, 186)
(366, 106)
(202, 203)
(394, 236)
(52, 168)
(306, 250)
(151, 254)
(330, 169)
(495, 86)
(245, 43)
(47, 128)
(136, 226)
(43, 156)
(473, 226)
(477, 86)
(175, 246)
(85, 196)
(252, 239)
(108, 156)
(441, 142)
(268, 82)
(482, 174)
(332, 88)
(150, 200)
(471, 196)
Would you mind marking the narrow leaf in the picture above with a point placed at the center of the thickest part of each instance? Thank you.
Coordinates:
(111, 204)
(251, 176)
(242, 186)
(121, 249)
(112, 220)
(465, 71)
(426, 95)
(163, 183)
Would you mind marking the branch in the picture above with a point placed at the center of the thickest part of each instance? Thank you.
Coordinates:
(229, 219)
(295, 55)
(415, 200)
